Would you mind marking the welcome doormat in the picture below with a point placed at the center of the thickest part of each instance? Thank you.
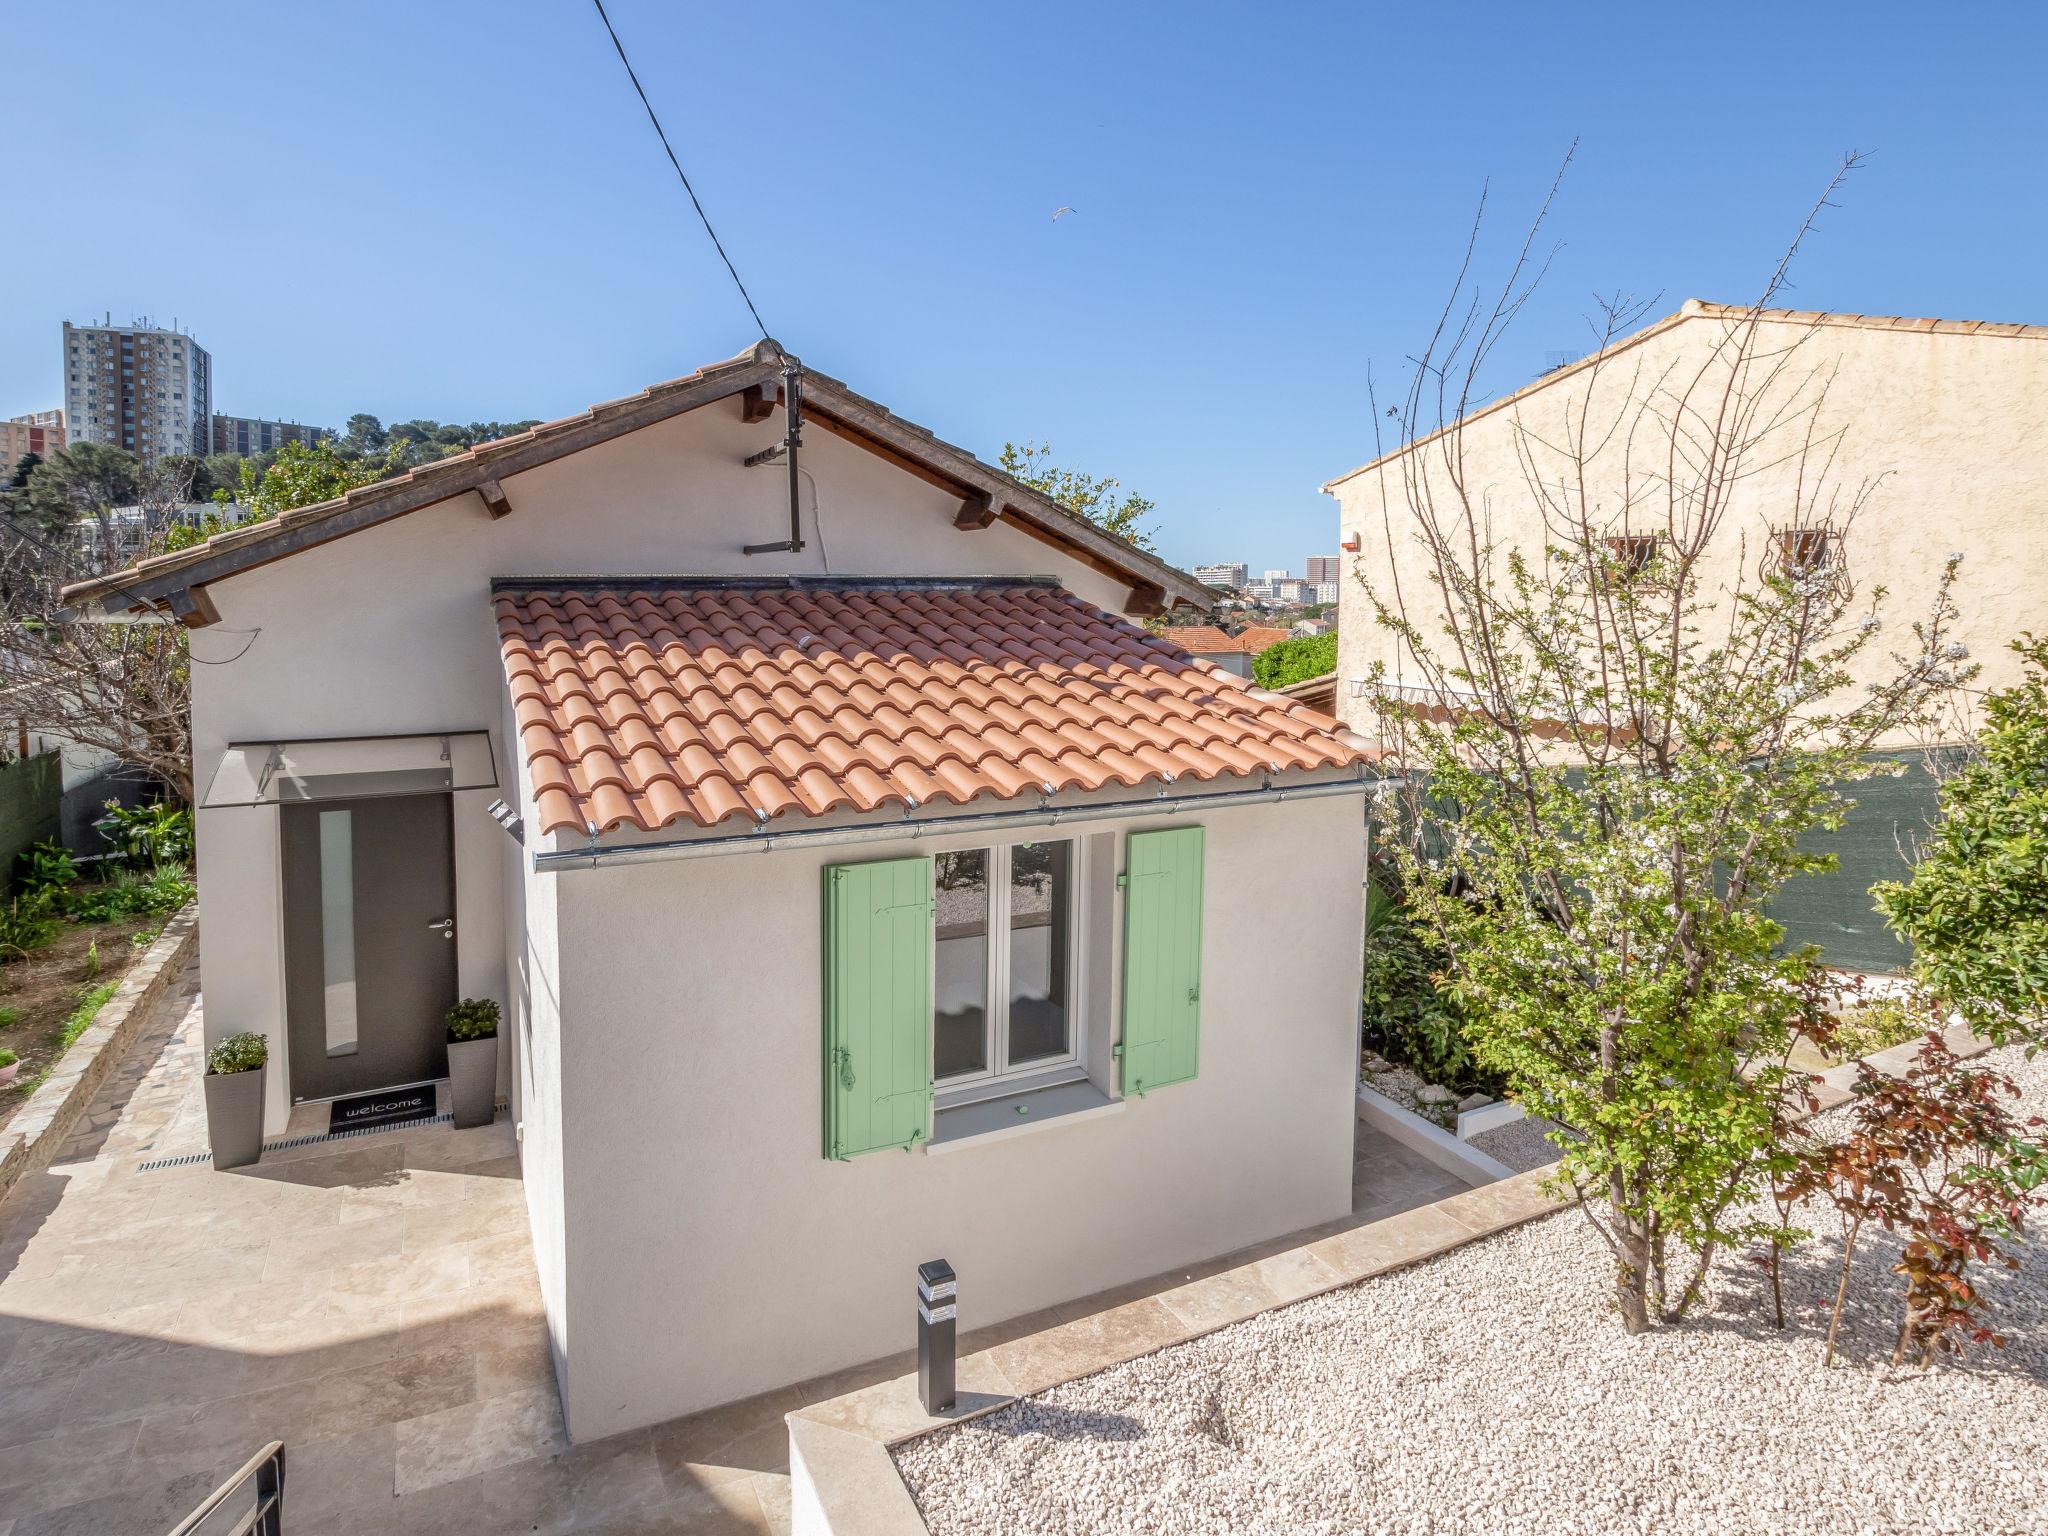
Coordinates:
(393, 1106)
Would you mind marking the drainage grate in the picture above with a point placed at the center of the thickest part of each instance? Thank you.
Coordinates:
(190, 1158)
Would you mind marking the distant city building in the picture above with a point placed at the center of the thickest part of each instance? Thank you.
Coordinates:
(249, 435)
(39, 432)
(137, 387)
(1322, 568)
(1326, 591)
(1272, 576)
(1231, 575)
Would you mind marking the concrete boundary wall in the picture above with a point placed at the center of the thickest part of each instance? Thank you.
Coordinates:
(31, 798)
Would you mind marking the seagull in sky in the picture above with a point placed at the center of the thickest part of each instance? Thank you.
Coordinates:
(1063, 208)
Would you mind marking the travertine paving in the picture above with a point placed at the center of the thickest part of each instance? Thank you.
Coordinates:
(371, 1302)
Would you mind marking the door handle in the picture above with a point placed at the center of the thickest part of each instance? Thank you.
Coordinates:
(445, 927)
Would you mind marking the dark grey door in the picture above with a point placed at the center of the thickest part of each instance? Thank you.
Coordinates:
(369, 942)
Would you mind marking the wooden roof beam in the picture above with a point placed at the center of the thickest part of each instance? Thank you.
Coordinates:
(495, 499)
(191, 607)
(758, 401)
(977, 511)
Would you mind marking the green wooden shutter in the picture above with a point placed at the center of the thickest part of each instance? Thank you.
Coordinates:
(1162, 958)
(878, 1005)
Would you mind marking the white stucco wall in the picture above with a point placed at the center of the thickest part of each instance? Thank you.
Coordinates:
(714, 1251)
(391, 630)
(662, 1031)
(1941, 426)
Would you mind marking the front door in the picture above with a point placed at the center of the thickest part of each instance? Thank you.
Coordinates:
(369, 942)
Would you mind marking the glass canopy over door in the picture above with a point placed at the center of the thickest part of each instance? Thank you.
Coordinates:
(350, 768)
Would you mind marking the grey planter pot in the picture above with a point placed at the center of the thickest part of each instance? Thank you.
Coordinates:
(234, 1117)
(473, 1081)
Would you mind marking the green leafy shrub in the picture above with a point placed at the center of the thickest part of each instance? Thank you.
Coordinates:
(1976, 907)
(26, 923)
(238, 1053)
(474, 1018)
(158, 894)
(7, 1057)
(45, 867)
(1876, 1025)
(148, 836)
(1295, 661)
(1409, 1019)
(9, 1017)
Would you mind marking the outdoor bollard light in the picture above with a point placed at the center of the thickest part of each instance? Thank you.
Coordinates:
(936, 1314)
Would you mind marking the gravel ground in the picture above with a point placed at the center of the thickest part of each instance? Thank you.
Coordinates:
(1521, 1144)
(1490, 1390)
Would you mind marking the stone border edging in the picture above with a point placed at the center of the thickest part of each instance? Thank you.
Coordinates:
(30, 1141)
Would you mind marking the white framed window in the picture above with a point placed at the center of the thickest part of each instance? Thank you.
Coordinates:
(1008, 924)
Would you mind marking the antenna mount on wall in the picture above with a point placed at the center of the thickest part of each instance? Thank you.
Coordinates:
(793, 439)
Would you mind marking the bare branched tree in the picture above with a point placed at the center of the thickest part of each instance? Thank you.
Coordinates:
(1622, 726)
(119, 688)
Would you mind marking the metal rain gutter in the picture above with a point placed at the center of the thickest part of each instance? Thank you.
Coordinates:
(896, 831)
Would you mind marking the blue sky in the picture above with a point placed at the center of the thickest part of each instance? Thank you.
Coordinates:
(456, 209)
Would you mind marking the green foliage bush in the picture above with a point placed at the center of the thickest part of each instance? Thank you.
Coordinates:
(238, 1053)
(1295, 661)
(474, 1018)
(1976, 907)
(1876, 1025)
(28, 922)
(7, 1057)
(45, 867)
(148, 836)
(1409, 1019)
(158, 894)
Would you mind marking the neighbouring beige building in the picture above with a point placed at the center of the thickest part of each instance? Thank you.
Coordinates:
(39, 432)
(1933, 426)
(1938, 421)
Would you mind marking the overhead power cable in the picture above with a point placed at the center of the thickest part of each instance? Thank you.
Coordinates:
(681, 175)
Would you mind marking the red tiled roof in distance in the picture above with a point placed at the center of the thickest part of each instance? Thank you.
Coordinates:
(645, 705)
(1208, 640)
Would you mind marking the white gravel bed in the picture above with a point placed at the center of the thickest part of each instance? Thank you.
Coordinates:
(1491, 1390)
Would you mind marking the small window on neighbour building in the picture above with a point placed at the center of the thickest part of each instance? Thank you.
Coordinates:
(1004, 935)
(1805, 549)
(1633, 552)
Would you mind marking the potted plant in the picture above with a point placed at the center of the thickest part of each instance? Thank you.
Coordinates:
(9, 1065)
(473, 1061)
(234, 1099)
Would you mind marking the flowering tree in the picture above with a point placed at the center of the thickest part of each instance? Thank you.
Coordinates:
(1616, 743)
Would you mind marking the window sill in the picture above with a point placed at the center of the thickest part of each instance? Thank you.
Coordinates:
(1018, 1114)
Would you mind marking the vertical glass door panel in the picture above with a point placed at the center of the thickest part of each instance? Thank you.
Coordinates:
(1041, 919)
(960, 1002)
(338, 930)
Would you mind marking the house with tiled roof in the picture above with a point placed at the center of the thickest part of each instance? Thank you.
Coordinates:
(1218, 647)
(859, 882)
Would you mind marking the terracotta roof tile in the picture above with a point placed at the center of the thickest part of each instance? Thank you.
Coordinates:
(687, 702)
